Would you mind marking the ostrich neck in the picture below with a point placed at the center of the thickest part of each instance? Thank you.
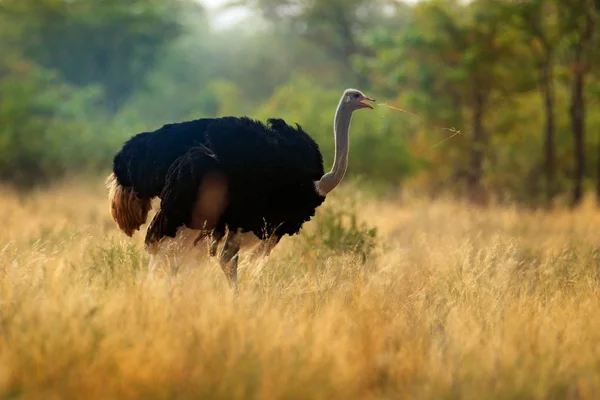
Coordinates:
(341, 128)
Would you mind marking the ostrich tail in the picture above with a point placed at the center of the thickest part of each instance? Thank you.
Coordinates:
(127, 209)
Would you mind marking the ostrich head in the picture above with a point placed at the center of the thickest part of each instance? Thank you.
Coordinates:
(354, 100)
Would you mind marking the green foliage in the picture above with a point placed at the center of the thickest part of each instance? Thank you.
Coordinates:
(44, 130)
(90, 42)
(79, 77)
(339, 230)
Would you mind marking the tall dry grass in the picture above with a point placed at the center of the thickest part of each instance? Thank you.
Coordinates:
(452, 302)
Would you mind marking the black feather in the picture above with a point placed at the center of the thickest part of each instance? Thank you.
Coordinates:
(270, 170)
(145, 159)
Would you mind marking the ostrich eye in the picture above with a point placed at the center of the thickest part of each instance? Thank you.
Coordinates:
(356, 95)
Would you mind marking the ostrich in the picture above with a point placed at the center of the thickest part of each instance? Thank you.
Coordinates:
(226, 176)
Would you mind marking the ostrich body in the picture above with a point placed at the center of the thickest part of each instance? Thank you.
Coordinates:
(225, 176)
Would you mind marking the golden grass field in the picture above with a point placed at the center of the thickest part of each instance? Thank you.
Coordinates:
(452, 303)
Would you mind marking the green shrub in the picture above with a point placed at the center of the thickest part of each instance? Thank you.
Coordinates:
(46, 129)
(339, 231)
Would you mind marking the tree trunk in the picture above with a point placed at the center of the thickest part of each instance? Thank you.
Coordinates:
(475, 188)
(598, 174)
(577, 112)
(577, 109)
(547, 91)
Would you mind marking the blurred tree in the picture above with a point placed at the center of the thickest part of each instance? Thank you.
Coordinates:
(579, 26)
(336, 26)
(107, 42)
(594, 91)
(260, 61)
(454, 58)
(45, 127)
(537, 21)
(495, 69)
(200, 68)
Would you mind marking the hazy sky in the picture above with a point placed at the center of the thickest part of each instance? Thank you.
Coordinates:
(222, 18)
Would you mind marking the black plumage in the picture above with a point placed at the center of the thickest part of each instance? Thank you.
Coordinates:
(270, 171)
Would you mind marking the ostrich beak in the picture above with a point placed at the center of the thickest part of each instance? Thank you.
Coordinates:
(360, 101)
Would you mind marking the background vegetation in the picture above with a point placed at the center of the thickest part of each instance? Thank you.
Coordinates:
(519, 79)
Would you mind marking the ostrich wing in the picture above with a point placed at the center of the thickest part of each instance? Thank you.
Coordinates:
(194, 195)
(144, 160)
